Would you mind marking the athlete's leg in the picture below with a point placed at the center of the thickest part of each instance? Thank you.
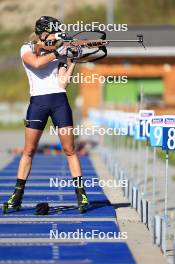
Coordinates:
(32, 137)
(61, 116)
(67, 140)
(36, 119)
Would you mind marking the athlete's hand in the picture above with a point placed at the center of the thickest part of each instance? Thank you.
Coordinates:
(62, 61)
(76, 54)
(60, 51)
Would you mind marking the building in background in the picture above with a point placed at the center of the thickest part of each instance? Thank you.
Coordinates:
(150, 72)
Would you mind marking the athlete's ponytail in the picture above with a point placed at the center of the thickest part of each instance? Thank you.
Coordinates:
(34, 38)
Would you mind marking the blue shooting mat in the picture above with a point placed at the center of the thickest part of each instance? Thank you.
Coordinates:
(95, 210)
(46, 174)
(29, 188)
(63, 214)
(43, 179)
(39, 181)
(47, 162)
(50, 167)
(40, 198)
(39, 230)
(94, 253)
(61, 210)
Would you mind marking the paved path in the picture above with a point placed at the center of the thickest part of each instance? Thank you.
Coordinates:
(138, 238)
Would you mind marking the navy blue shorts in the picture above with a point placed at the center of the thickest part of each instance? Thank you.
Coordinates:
(55, 105)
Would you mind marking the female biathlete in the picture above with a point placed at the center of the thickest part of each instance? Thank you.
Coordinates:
(48, 98)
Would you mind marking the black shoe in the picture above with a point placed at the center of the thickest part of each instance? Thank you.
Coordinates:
(82, 200)
(15, 201)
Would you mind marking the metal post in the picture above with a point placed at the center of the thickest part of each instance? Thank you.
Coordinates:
(154, 184)
(110, 12)
(127, 151)
(133, 149)
(146, 169)
(166, 184)
(141, 103)
(165, 218)
(61, 11)
(174, 251)
(138, 161)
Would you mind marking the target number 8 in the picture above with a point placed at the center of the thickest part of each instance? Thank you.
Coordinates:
(171, 138)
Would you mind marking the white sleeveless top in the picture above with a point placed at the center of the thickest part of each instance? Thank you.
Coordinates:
(43, 80)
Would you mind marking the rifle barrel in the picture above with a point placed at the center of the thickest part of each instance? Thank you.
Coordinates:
(105, 40)
(123, 40)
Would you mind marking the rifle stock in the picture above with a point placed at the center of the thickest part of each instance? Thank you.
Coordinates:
(84, 43)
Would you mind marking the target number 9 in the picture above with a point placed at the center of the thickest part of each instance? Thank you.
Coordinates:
(158, 135)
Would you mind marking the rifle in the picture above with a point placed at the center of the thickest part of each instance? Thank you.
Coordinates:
(73, 43)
